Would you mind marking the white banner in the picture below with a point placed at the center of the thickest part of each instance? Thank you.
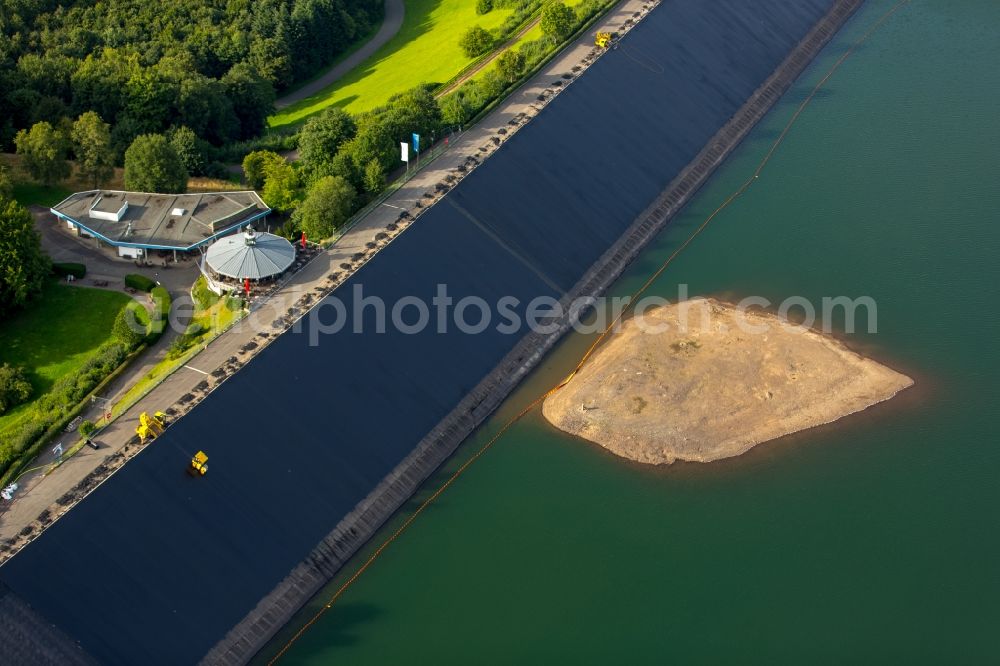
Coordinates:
(404, 151)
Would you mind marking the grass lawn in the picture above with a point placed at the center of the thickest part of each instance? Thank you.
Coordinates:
(27, 194)
(55, 335)
(425, 50)
(530, 36)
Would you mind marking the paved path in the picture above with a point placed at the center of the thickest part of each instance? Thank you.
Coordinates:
(477, 142)
(393, 21)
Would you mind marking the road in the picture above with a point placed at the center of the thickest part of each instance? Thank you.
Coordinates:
(393, 21)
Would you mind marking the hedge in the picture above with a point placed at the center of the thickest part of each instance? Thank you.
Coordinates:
(53, 411)
(161, 314)
(140, 282)
(64, 269)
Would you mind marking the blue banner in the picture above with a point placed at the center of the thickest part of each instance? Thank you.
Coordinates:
(416, 142)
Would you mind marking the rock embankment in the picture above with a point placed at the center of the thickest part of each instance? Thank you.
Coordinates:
(701, 381)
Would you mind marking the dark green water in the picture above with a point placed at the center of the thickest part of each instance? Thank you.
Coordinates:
(875, 539)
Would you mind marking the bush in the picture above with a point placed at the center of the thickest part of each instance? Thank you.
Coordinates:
(140, 282)
(128, 329)
(14, 387)
(190, 338)
(476, 41)
(76, 270)
(484, 6)
(87, 428)
(203, 297)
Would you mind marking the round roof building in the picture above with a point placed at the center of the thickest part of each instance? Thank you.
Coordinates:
(252, 255)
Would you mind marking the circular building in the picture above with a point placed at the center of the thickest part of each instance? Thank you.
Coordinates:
(250, 255)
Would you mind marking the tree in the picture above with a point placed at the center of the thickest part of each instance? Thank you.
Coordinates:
(456, 108)
(558, 21)
(322, 136)
(281, 187)
(510, 65)
(415, 110)
(255, 166)
(252, 96)
(329, 204)
(374, 178)
(476, 41)
(14, 387)
(484, 6)
(44, 150)
(92, 147)
(374, 140)
(152, 165)
(189, 148)
(23, 266)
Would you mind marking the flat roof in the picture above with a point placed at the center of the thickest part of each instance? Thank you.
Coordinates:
(151, 220)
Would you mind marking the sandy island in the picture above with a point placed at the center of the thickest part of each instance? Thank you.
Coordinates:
(715, 389)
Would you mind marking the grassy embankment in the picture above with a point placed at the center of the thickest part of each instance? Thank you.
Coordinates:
(425, 50)
(53, 337)
(534, 34)
(212, 315)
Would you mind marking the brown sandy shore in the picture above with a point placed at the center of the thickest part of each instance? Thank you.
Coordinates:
(701, 381)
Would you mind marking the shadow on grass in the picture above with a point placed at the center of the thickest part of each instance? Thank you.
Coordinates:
(417, 22)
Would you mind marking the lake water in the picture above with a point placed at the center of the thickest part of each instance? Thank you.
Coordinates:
(874, 539)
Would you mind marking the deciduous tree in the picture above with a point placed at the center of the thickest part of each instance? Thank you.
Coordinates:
(190, 149)
(152, 165)
(374, 179)
(23, 265)
(558, 20)
(14, 387)
(326, 208)
(44, 149)
(322, 136)
(92, 147)
(510, 65)
(281, 186)
(255, 166)
(252, 96)
(475, 41)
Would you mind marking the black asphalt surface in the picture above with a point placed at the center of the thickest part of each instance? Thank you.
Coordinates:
(155, 566)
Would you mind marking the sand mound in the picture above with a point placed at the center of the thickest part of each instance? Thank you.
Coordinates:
(710, 388)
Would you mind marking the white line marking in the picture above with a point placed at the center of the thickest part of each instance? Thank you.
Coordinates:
(195, 369)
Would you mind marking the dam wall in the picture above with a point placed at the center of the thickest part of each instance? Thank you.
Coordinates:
(314, 446)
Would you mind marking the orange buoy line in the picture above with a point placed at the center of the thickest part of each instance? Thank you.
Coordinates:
(600, 338)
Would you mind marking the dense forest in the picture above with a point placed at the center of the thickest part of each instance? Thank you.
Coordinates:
(213, 66)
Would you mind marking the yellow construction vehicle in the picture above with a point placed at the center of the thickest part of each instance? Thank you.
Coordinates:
(199, 464)
(603, 40)
(151, 427)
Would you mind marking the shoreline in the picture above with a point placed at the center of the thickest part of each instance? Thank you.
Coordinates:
(279, 607)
